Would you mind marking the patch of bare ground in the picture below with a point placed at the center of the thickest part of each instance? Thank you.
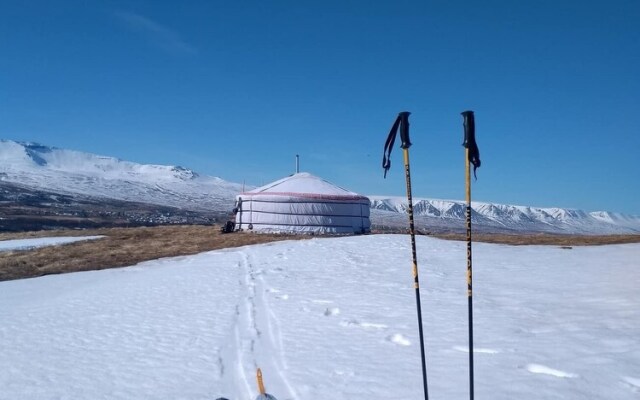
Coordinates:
(120, 247)
(129, 246)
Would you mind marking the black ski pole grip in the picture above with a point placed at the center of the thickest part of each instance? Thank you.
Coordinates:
(469, 128)
(404, 129)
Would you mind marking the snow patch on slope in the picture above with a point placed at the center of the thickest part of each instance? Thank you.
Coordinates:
(28, 244)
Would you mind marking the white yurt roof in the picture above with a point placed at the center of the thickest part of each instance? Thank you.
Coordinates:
(303, 184)
(302, 203)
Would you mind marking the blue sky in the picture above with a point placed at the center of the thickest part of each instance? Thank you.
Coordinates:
(236, 89)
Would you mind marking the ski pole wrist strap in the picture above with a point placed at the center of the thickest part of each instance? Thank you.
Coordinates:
(402, 124)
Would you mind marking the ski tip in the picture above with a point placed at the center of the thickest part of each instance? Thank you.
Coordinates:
(260, 382)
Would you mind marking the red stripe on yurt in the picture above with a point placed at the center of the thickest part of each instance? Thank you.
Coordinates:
(307, 195)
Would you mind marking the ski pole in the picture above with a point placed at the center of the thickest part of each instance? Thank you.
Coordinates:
(472, 156)
(402, 122)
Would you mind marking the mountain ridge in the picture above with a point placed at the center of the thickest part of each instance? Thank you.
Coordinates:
(70, 172)
(503, 217)
(73, 172)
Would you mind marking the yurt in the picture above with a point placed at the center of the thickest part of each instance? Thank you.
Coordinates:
(302, 203)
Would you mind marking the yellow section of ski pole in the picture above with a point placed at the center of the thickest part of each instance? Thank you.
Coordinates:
(467, 174)
(260, 383)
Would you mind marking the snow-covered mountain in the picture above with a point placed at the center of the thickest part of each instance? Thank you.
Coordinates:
(73, 172)
(77, 173)
(504, 218)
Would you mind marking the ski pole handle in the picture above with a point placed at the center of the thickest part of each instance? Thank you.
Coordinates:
(404, 129)
(469, 128)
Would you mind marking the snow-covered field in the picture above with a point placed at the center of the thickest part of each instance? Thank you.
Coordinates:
(28, 244)
(330, 319)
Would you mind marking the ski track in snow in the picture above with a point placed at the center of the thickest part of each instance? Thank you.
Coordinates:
(256, 341)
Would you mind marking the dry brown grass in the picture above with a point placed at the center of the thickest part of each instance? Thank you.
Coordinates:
(120, 247)
(129, 246)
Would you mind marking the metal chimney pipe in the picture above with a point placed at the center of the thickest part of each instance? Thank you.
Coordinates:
(297, 163)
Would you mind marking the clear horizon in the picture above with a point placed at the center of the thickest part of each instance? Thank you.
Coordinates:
(237, 90)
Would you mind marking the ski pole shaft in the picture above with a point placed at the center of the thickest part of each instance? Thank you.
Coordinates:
(469, 137)
(469, 276)
(406, 143)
